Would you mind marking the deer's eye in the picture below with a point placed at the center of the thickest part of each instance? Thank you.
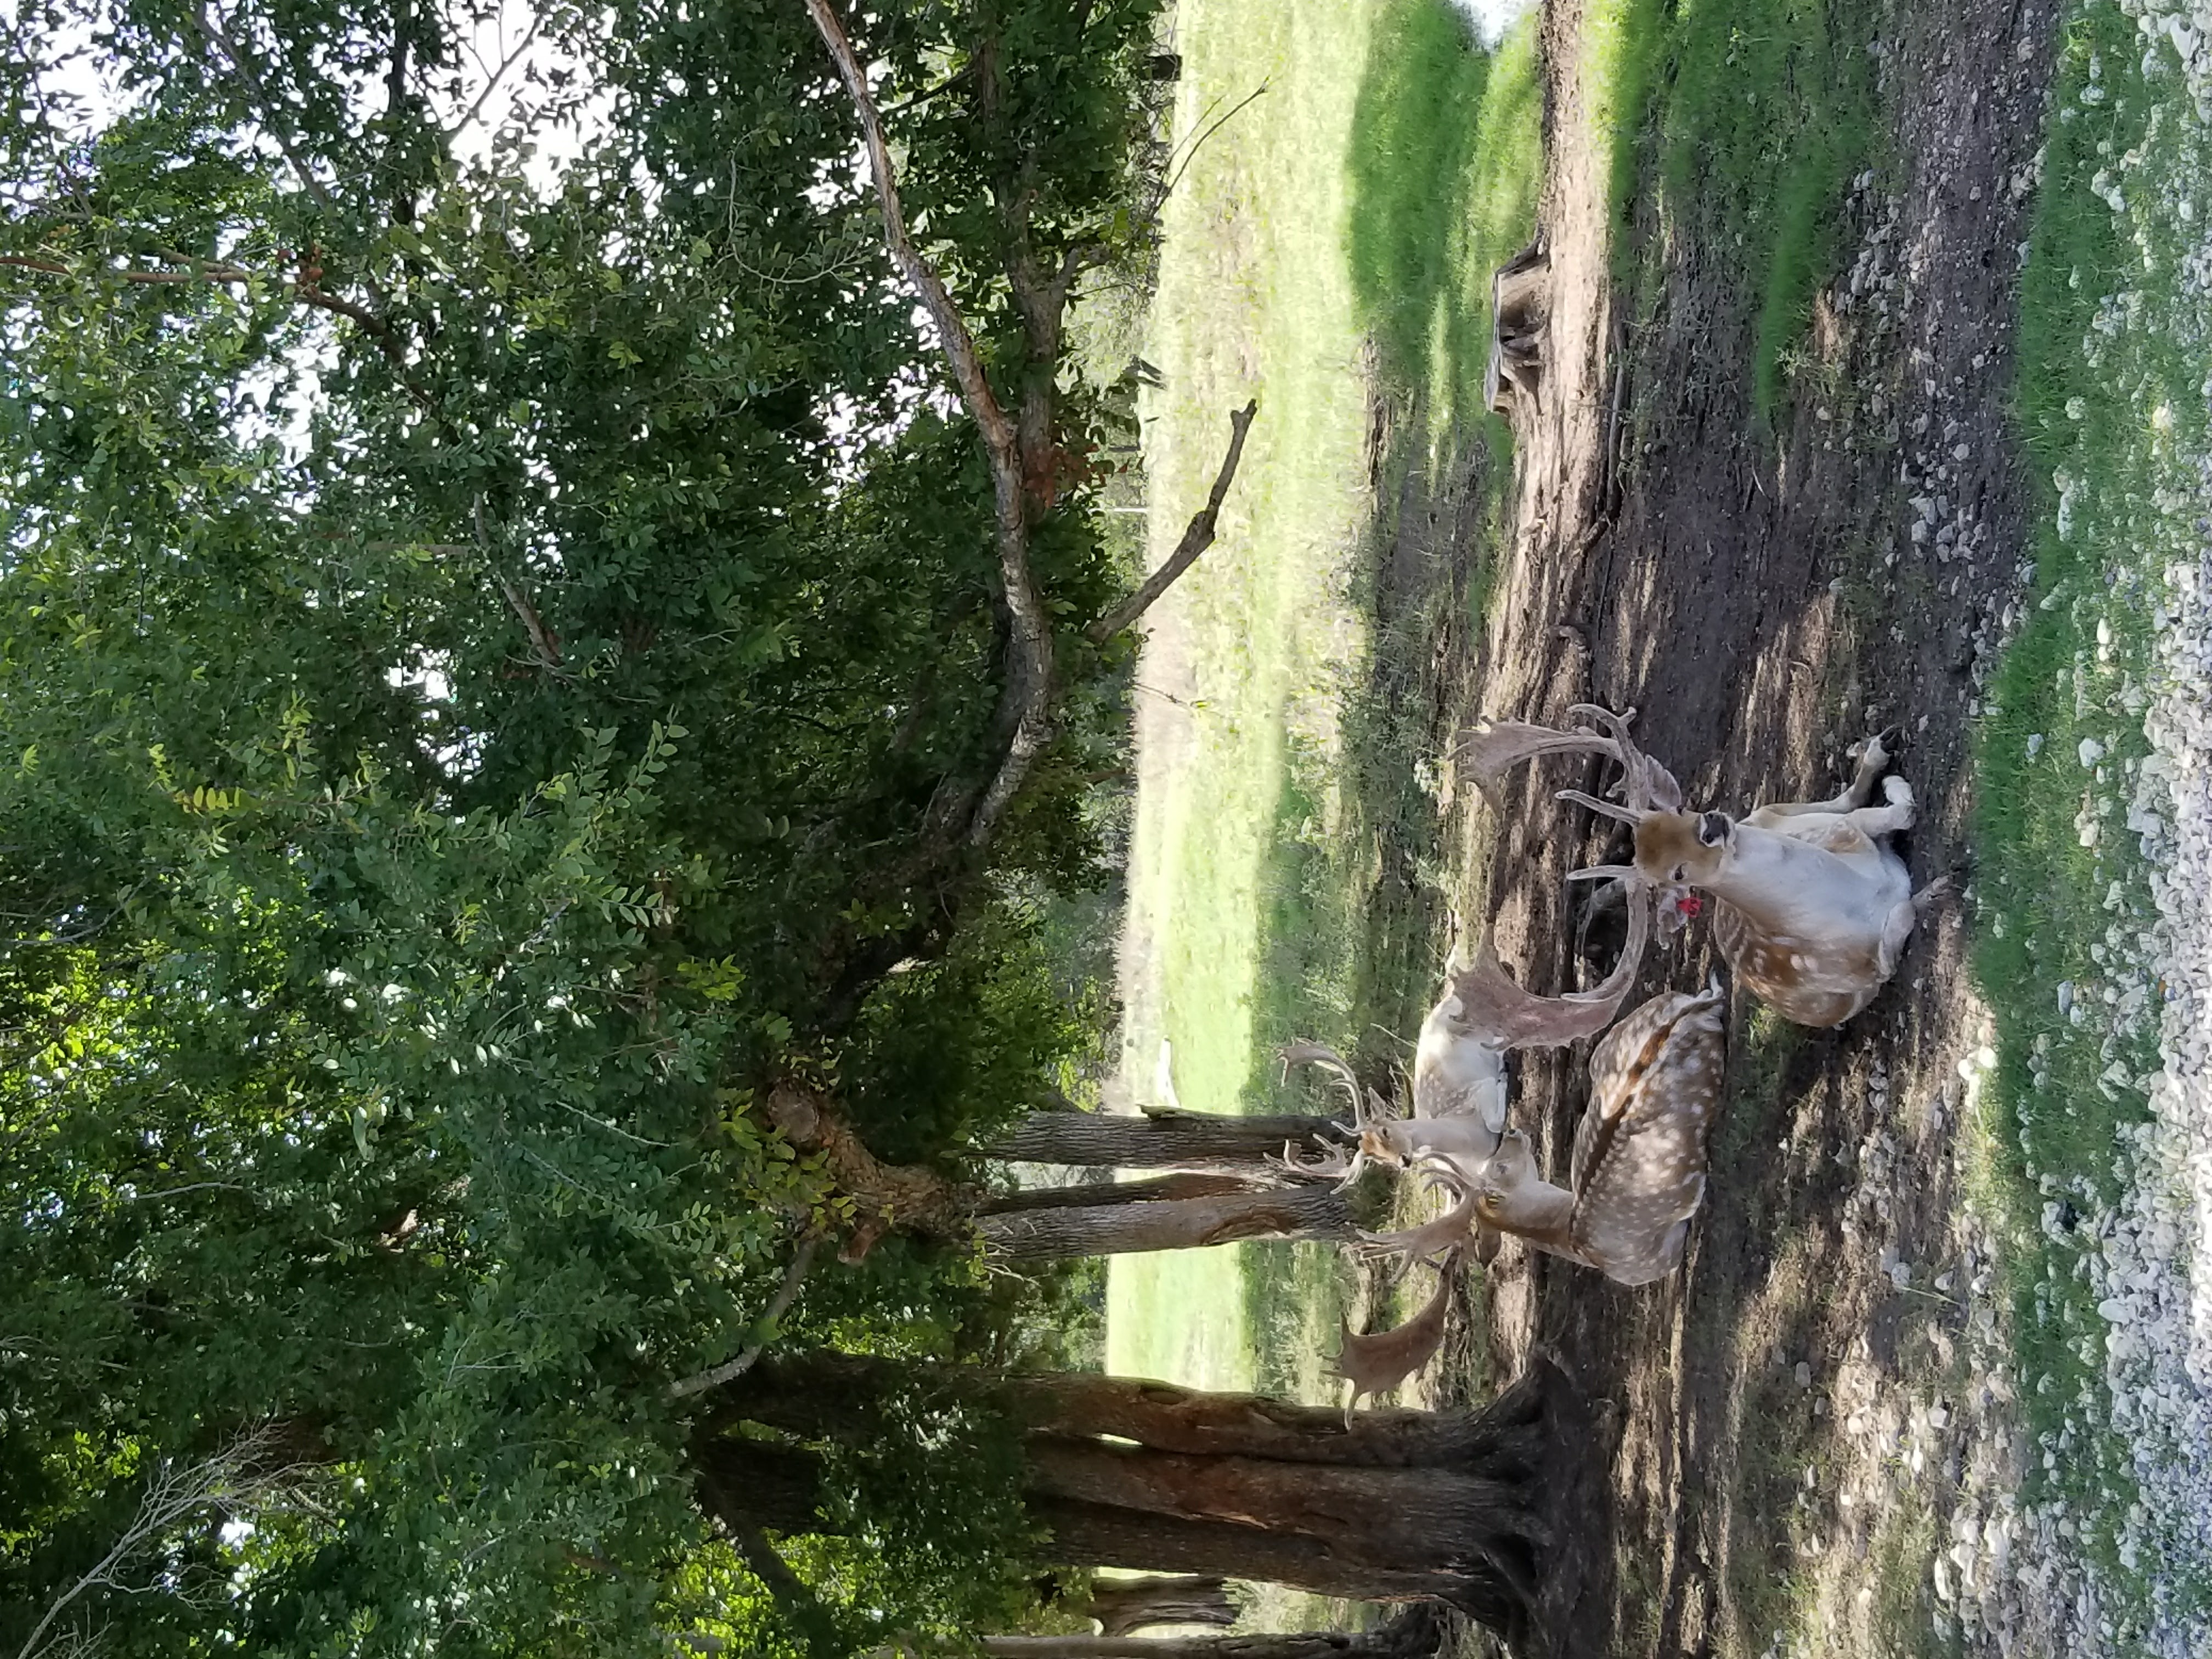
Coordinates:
(1682, 873)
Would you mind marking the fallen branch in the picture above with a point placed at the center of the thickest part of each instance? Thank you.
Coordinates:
(1197, 536)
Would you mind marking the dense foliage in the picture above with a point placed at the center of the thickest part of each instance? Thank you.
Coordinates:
(488, 646)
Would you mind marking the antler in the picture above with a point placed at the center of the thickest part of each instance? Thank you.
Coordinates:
(1380, 1361)
(1522, 1019)
(1366, 1107)
(1448, 1232)
(1344, 1162)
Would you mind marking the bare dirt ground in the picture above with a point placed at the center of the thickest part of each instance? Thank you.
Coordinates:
(1788, 1412)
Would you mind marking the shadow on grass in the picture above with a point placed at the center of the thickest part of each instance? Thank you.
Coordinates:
(1754, 115)
(1443, 175)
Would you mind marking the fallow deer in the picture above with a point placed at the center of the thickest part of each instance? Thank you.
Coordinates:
(1380, 1361)
(1519, 317)
(1811, 910)
(1638, 1170)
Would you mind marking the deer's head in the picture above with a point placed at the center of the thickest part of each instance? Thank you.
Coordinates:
(1676, 849)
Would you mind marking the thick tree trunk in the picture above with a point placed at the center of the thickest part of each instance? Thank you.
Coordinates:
(1307, 1210)
(1159, 1141)
(1399, 1506)
(1292, 1644)
(835, 1396)
(1123, 1605)
(1101, 1194)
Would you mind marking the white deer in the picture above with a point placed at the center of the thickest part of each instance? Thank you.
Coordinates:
(1638, 1170)
(1812, 910)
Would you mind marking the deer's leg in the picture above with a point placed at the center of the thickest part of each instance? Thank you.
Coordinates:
(1898, 815)
(1874, 756)
(1928, 895)
(1896, 928)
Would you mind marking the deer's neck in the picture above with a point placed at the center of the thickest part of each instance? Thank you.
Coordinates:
(1779, 884)
(1540, 1212)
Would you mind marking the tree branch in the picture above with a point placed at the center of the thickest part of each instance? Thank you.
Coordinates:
(1197, 536)
(887, 1196)
(1025, 705)
(216, 36)
(730, 1371)
(379, 329)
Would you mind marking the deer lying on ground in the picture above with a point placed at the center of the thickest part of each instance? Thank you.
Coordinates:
(1520, 315)
(1811, 910)
(1380, 1361)
(1638, 1170)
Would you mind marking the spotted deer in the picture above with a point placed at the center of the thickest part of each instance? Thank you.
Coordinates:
(1637, 1173)
(1811, 910)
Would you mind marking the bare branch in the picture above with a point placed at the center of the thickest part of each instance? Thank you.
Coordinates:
(731, 1370)
(1197, 536)
(239, 1472)
(498, 75)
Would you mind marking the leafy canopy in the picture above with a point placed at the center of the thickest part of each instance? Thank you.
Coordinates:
(495, 600)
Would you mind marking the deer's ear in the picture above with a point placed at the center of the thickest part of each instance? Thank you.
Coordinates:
(1712, 828)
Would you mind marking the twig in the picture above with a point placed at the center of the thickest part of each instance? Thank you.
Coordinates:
(215, 36)
(546, 648)
(1199, 142)
(1197, 536)
(498, 75)
(730, 1371)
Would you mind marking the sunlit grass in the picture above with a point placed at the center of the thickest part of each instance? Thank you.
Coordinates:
(1345, 225)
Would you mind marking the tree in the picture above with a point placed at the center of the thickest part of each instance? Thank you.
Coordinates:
(502, 664)
(1391, 1505)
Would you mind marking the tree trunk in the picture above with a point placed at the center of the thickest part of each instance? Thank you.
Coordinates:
(834, 1397)
(1309, 1210)
(1099, 1193)
(1159, 1141)
(1399, 1506)
(1292, 1644)
(1123, 1605)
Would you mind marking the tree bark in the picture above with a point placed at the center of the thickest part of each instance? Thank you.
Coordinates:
(1197, 536)
(1292, 1644)
(1397, 1506)
(1161, 1139)
(1101, 1194)
(835, 1396)
(1123, 1605)
(1309, 1211)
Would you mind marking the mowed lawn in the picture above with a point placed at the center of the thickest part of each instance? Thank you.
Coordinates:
(1328, 243)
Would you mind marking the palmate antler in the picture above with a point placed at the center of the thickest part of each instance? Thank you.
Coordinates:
(1495, 747)
(1380, 1361)
(1446, 1233)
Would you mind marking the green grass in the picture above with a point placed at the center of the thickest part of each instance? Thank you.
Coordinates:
(1365, 197)
(1296, 263)
(1745, 121)
(1443, 168)
(1252, 300)
(2112, 413)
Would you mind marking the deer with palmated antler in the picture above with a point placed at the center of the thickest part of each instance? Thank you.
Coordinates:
(1811, 910)
(1638, 1170)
